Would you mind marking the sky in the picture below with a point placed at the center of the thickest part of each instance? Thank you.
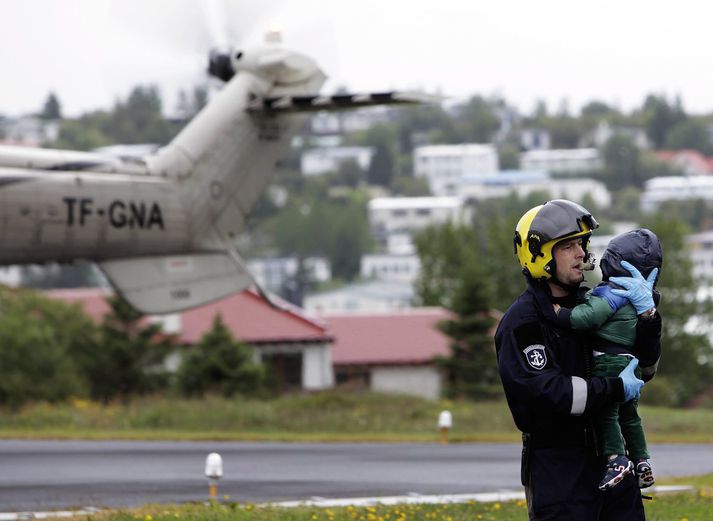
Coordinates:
(92, 52)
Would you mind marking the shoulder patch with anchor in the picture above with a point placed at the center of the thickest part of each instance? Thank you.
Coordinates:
(536, 356)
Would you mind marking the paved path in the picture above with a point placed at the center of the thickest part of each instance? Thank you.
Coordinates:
(39, 475)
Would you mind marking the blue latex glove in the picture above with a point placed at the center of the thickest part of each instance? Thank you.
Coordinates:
(636, 288)
(632, 385)
(604, 291)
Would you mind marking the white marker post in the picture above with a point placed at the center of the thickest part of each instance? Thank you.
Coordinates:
(213, 471)
(445, 422)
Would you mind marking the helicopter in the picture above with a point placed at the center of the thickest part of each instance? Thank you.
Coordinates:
(162, 227)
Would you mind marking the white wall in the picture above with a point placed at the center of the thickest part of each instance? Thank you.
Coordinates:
(562, 160)
(397, 214)
(317, 371)
(423, 381)
(404, 268)
(678, 188)
(443, 165)
(318, 161)
(573, 189)
(372, 296)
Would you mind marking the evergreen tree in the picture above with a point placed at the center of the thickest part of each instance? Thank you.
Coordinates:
(381, 168)
(660, 116)
(51, 108)
(218, 364)
(129, 360)
(471, 366)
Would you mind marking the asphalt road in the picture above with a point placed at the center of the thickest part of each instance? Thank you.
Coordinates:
(41, 475)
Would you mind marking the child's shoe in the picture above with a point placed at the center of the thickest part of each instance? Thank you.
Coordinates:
(644, 473)
(618, 467)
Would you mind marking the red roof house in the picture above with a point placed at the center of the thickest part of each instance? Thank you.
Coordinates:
(390, 352)
(296, 347)
(690, 162)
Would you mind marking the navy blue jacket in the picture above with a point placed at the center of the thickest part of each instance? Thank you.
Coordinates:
(545, 369)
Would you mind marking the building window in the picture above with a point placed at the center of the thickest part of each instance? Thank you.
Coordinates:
(286, 369)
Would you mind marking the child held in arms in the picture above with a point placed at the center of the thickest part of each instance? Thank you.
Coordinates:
(613, 321)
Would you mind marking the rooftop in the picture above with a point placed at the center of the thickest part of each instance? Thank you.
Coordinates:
(248, 316)
(404, 337)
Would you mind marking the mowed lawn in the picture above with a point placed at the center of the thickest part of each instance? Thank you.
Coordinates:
(694, 505)
(326, 416)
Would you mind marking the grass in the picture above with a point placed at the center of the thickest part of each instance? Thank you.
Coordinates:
(325, 416)
(687, 506)
(328, 416)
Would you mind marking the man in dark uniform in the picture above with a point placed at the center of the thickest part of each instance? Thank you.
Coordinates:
(546, 371)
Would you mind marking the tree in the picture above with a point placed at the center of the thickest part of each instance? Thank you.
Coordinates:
(139, 118)
(622, 163)
(597, 109)
(51, 108)
(494, 223)
(410, 186)
(381, 168)
(314, 225)
(218, 364)
(422, 124)
(477, 121)
(38, 339)
(471, 366)
(445, 252)
(565, 131)
(660, 116)
(625, 205)
(687, 359)
(190, 104)
(689, 134)
(129, 360)
(350, 173)
(347, 240)
(509, 157)
(84, 133)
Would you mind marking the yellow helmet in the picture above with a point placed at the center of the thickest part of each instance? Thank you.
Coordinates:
(541, 227)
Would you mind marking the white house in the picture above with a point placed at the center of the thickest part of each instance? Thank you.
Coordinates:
(389, 267)
(272, 273)
(317, 161)
(296, 348)
(562, 160)
(701, 249)
(604, 131)
(676, 188)
(390, 352)
(688, 162)
(524, 183)
(371, 296)
(29, 131)
(535, 139)
(348, 121)
(443, 165)
(398, 214)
